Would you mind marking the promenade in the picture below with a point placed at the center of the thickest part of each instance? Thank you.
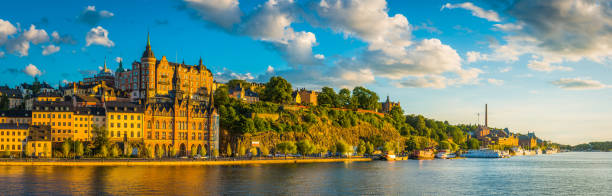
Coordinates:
(167, 162)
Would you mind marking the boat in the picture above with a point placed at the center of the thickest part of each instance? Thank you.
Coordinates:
(445, 154)
(389, 157)
(483, 153)
(423, 154)
(517, 151)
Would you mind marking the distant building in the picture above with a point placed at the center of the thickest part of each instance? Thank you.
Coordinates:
(39, 142)
(387, 106)
(307, 97)
(244, 94)
(15, 96)
(16, 117)
(105, 75)
(528, 141)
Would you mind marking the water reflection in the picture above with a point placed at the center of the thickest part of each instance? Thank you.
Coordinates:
(570, 173)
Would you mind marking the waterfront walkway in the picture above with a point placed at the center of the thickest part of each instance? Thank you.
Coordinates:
(170, 162)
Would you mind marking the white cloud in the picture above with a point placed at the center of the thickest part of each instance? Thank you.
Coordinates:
(579, 84)
(36, 36)
(473, 56)
(99, 36)
(489, 15)
(270, 69)
(65, 82)
(118, 59)
(1, 54)
(50, 49)
(505, 69)
(32, 70)
(92, 17)
(224, 13)
(21, 44)
(495, 81)
(6, 29)
(227, 75)
(509, 26)
(436, 82)
(319, 56)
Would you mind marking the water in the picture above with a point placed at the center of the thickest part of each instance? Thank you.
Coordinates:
(559, 174)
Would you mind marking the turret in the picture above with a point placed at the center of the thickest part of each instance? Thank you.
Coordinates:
(148, 58)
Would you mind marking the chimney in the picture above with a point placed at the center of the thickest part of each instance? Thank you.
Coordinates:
(486, 117)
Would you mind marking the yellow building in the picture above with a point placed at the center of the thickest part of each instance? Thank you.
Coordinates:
(39, 142)
(16, 116)
(308, 97)
(124, 121)
(52, 97)
(58, 115)
(84, 121)
(13, 137)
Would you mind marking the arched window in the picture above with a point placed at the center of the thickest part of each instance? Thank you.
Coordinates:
(193, 126)
(149, 124)
(164, 125)
(157, 124)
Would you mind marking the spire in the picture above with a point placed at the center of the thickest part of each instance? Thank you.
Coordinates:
(200, 63)
(120, 68)
(148, 53)
(104, 64)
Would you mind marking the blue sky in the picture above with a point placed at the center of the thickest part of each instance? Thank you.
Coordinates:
(542, 66)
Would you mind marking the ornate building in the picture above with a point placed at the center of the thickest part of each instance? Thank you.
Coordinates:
(388, 105)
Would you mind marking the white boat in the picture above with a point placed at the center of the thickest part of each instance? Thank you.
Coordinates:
(483, 153)
(443, 154)
(517, 151)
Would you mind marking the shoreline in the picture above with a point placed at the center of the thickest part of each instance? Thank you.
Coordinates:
(172, 162)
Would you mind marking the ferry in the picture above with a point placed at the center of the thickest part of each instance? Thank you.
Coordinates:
(423, 154)
(483, 153)
(444, 154)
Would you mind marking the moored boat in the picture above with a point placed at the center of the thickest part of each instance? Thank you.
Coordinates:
(445, 154)
(483, 153)
(389, 157)
(423, 154)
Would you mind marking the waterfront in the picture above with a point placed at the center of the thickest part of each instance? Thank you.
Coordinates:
(558, 174)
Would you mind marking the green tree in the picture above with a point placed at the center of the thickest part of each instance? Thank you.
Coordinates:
(264, 151)
(66, 148)
(327, 97)
(103, 151)
(369, 148)
(343, 148)
(305, 147)
(444, 145)
(277, 90)
(4, 102)
(221, 96)
(159, 151)
(215, 153)
(365, 99)
(114, 152)
(241, 151)
(361, 148)
(79, 148)
(228, 150)
(473, 143)
(286, 148)
(344, 99)
(389, 147)
(194, 151)
(100, 136)
(234, 83)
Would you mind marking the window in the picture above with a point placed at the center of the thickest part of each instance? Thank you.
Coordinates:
(149, 135)
(131, 125)
(112, 133)
(138, 118)
(138, 133)
(111, 125)
(131, 117)
(124, 117)
(125, 125)
(132, 134)
(111, 117)
(137, 125)
(149, 124)
(157, 124)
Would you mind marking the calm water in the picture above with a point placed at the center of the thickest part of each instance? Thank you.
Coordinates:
(559, 174)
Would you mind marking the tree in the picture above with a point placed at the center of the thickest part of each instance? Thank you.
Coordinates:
(66, 148)
(473, 143)
(79, 148)
(221, 96)
(149, 152)
(194, 151)
(286, 148)
(114, 152)
(344, 98)
(241, 151)
(365, 99)
(305, 147)
(343, 148)
(277, 90)
(444, 145)
(172, 152)
(411, 144)
(103, 151)
(361, 148)
(228, 150)
(159, 151)
(215, 153)
(4, 102)
(234, 83)
(369, 148)
(389, 147)
(253, 152)
(327, 97)
(264, 151)
(100, 136)
(203, 152)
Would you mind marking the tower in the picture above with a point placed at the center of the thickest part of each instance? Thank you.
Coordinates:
(148, 62)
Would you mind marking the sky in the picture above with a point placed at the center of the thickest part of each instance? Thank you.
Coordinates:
(541, 66)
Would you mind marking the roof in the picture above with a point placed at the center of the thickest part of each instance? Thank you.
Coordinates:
(11, 93)
(48, 94)
(96, 111)
(148, 53)
(125, 107)
(52, 106)
(14, 126)
(85, 98)
(16, 113)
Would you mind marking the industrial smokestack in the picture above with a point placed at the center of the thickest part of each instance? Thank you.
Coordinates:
(486, 116)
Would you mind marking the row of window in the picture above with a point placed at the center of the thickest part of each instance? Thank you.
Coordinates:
(125, 117)
(181, 135)
(16, 120)
(65, 131)
(64, 116)
(14, 132)
(118, 134)
(34, 145)
(181, 125)
(53, 123)
(11, 140)
(10, 147)
(125, 125)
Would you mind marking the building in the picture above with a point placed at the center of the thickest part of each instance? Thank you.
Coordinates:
(152, 76)
(387, 106)
(104, 76)
(39, 142)
(124, 121)
(57, 115)
(14, 96)
(85, 121)
(16, 117)
(244, 94)
(13, 137)
(528, 141)
(308, 97)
